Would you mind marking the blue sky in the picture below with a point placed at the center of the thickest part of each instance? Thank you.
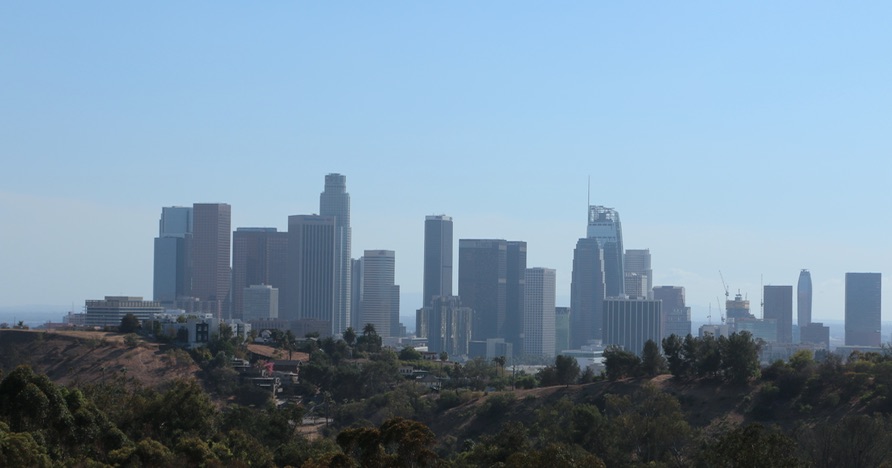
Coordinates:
(749, 138)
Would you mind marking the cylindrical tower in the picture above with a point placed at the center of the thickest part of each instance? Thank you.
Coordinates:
(803, 299)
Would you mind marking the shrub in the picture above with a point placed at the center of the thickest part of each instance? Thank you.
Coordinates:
(130, 340)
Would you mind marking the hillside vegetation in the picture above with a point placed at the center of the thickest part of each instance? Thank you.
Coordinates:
(713, 409)
(72, 357)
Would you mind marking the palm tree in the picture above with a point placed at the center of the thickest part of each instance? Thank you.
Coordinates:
(350, 336)
(289, 341)
(500, 361)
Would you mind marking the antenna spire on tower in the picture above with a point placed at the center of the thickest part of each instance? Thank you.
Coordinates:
(589, 194)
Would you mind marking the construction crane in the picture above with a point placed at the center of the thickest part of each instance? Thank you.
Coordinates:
(725, 285)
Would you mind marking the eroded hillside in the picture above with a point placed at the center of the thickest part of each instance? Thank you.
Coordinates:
(70, 357)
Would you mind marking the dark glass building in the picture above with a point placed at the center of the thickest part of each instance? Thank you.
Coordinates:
(172, 277)
(586, 293)
(631, 322)
(779, 306)
(863, 309)
(604, 226)
(437, 258)
(490, 281)
(259, 256)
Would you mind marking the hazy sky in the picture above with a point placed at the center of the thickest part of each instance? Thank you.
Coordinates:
(752, 138)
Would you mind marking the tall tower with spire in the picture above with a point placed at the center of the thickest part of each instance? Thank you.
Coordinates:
(605, 227)
(335, 202)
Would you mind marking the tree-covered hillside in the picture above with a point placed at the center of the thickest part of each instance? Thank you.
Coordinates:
(699, 403)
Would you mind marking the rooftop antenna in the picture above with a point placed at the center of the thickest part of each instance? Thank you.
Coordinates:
(589, 194)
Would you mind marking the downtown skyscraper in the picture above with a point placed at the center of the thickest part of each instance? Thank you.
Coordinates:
(311, 283)
(637, 262)
(259, 257)
(587, 293)
(334, 202)
(629, 323)
(811, 332)
(379, 303)
(539, 311)
(211, 247)
(676, 316)
(863, 309)
(779, 307)
(437, 258)
(173, 255)
(803, 299)
(490, 281)
(604, 226)
(598, 273)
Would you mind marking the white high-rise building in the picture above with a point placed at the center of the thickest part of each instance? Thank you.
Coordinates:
(380, 296)
(539, 305)
(335, 202)
(260, 301)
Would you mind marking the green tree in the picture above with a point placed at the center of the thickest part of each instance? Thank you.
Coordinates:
(652, 361)
(61, 419)
(571, 423)
(556, 454)
(752, 445)
(494, 450)
(647, 426)
(619, 363)
(740, 357)
(350, 336)
(409, 442)
(129, 324)
(567, 369)
(854, 441)
(182, 411)
(369, 342)
(409, 354)
(500, 362)
(398, 442)
(708, 356)
(673, 348)
(21, 449)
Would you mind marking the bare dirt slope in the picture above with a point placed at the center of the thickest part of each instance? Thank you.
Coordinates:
(80, 357)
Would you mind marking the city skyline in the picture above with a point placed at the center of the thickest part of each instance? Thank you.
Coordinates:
(756, 135)
(408, 310)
